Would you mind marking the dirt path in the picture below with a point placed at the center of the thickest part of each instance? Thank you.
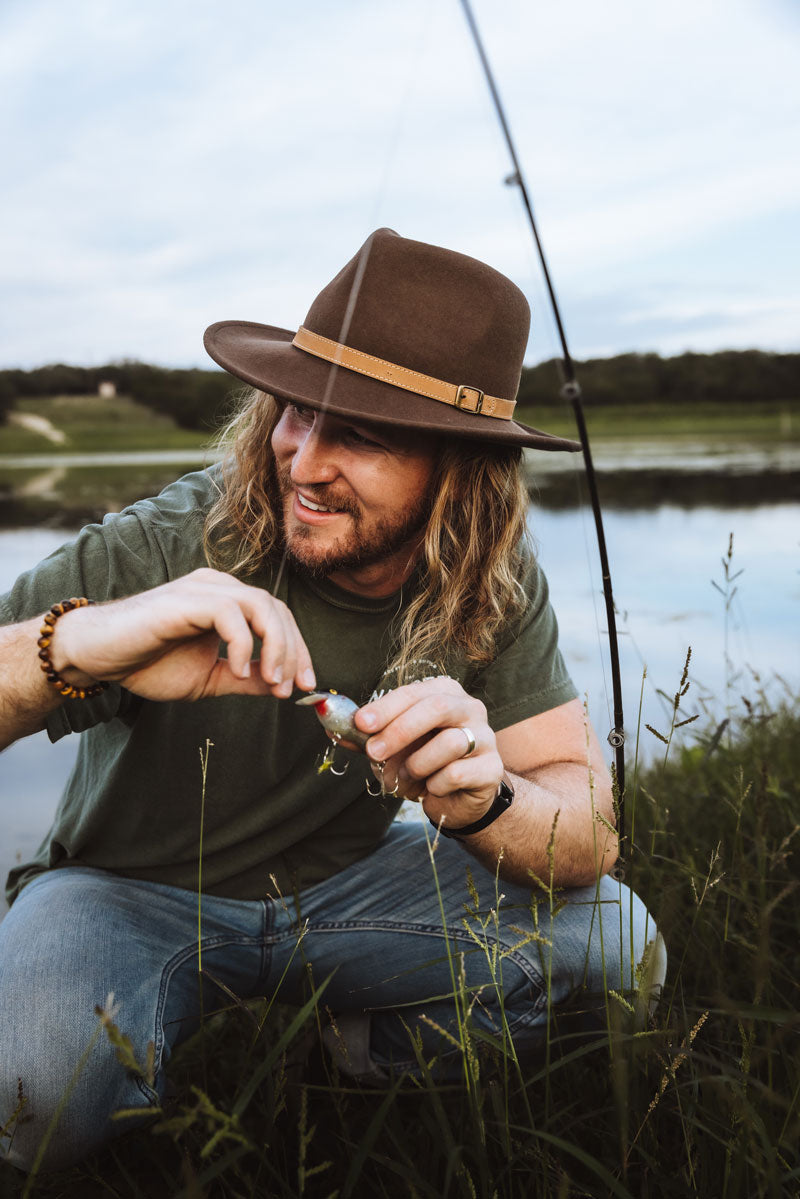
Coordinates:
(38, 424)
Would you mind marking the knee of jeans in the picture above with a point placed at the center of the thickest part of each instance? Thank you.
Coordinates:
(513, 1000)
(57, 1099)
(512, 1008)
(633, 951)
(624, 952)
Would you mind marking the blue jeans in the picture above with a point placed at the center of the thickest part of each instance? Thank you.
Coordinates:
(77, 935)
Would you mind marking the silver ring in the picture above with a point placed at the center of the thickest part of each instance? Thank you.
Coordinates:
(470, 736)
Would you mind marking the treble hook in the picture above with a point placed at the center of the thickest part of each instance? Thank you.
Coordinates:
(329, 758)
(379, 766)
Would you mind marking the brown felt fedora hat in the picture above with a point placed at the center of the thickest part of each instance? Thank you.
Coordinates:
(407, 334)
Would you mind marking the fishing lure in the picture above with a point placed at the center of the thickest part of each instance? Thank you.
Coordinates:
(336, 714)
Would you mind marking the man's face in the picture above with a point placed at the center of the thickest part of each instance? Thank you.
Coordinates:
(355, 497)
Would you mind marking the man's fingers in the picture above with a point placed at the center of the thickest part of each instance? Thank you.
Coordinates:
(224, 681)
(435, 741)
(296, 668)
(285, 660)
(434, 712)
(234, 630)
(470, 775)
(378, 713)
(148, 636)
(304, 670)
(267, 622)
(449, 745)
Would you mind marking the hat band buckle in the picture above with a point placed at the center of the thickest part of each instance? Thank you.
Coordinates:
(463, 400)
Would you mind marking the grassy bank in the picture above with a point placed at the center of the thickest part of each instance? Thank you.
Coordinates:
(70, 496)
(94, 424)
(760, 422)
(700, 1099)
(54, 493)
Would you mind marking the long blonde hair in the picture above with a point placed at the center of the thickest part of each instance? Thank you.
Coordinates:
(471, 558)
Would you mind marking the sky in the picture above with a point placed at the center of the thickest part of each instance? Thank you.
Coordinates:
(168, 163)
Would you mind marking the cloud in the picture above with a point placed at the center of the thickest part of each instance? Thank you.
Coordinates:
(168, 165)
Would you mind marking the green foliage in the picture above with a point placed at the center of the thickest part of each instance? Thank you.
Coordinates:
(123, 1046)
(730, 376)
(201, 399)
(9, 390)
(194, 399)
(699, 1099)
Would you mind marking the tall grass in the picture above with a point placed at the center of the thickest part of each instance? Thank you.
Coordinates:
(700, 1100)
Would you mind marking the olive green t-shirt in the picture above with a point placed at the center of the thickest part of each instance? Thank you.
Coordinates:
(272, 821)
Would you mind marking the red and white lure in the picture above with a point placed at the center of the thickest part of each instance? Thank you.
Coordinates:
(336, 714)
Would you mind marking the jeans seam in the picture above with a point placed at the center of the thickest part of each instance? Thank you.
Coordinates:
(171, 966)
(427, 930)
(267, 933)
(527, 968)
(524, 1020)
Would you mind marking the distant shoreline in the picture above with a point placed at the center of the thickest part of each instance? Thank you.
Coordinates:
(111, 451)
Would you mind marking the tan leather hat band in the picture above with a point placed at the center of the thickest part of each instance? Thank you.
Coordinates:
(468, 399)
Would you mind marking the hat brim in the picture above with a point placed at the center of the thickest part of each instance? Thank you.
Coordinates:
(263, 355)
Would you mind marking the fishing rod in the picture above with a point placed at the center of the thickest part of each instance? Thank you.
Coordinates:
(571, 390)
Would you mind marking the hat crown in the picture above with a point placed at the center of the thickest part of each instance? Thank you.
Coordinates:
(424, 330)
(430, 310)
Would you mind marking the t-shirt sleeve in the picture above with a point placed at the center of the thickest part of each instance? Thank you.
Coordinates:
(131, 551)
(528, 676)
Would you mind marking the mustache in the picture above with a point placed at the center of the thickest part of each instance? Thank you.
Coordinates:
(319, 493)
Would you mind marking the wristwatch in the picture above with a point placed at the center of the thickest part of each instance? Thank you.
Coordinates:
(500, 804)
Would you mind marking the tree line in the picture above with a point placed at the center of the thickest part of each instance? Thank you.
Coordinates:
(729, 376)
(195, 399)
(201, 399)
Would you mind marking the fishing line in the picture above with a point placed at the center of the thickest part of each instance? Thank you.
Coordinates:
(573, 466)
(394, 138)
(571, 391)
(355, 288)
(358, 278)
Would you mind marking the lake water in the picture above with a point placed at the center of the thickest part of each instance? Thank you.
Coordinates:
(664, 553)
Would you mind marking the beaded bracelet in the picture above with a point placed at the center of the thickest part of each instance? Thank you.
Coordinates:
(46, 631)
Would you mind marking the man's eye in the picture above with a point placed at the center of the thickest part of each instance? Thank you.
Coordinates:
(304, 415)
(356, 437)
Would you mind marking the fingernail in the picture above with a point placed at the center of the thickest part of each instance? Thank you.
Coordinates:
(377, 749)
(308, 679)
(367, 719)
(277, 675)
(246, 671)
(284, 690)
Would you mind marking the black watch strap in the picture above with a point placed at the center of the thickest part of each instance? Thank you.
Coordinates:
(500, 804)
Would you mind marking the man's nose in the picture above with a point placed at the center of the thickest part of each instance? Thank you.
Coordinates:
(314, 459)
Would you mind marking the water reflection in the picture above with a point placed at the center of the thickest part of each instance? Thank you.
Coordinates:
(663, 563)
(67, 491)
(663, 559)
(648, 490)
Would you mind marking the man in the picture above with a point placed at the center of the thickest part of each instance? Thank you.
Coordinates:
(365, 532)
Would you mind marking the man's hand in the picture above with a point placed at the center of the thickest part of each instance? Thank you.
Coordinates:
(554, 760)
(419, 732)
(164, 644)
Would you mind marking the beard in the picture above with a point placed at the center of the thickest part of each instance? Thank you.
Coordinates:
(364, 543)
